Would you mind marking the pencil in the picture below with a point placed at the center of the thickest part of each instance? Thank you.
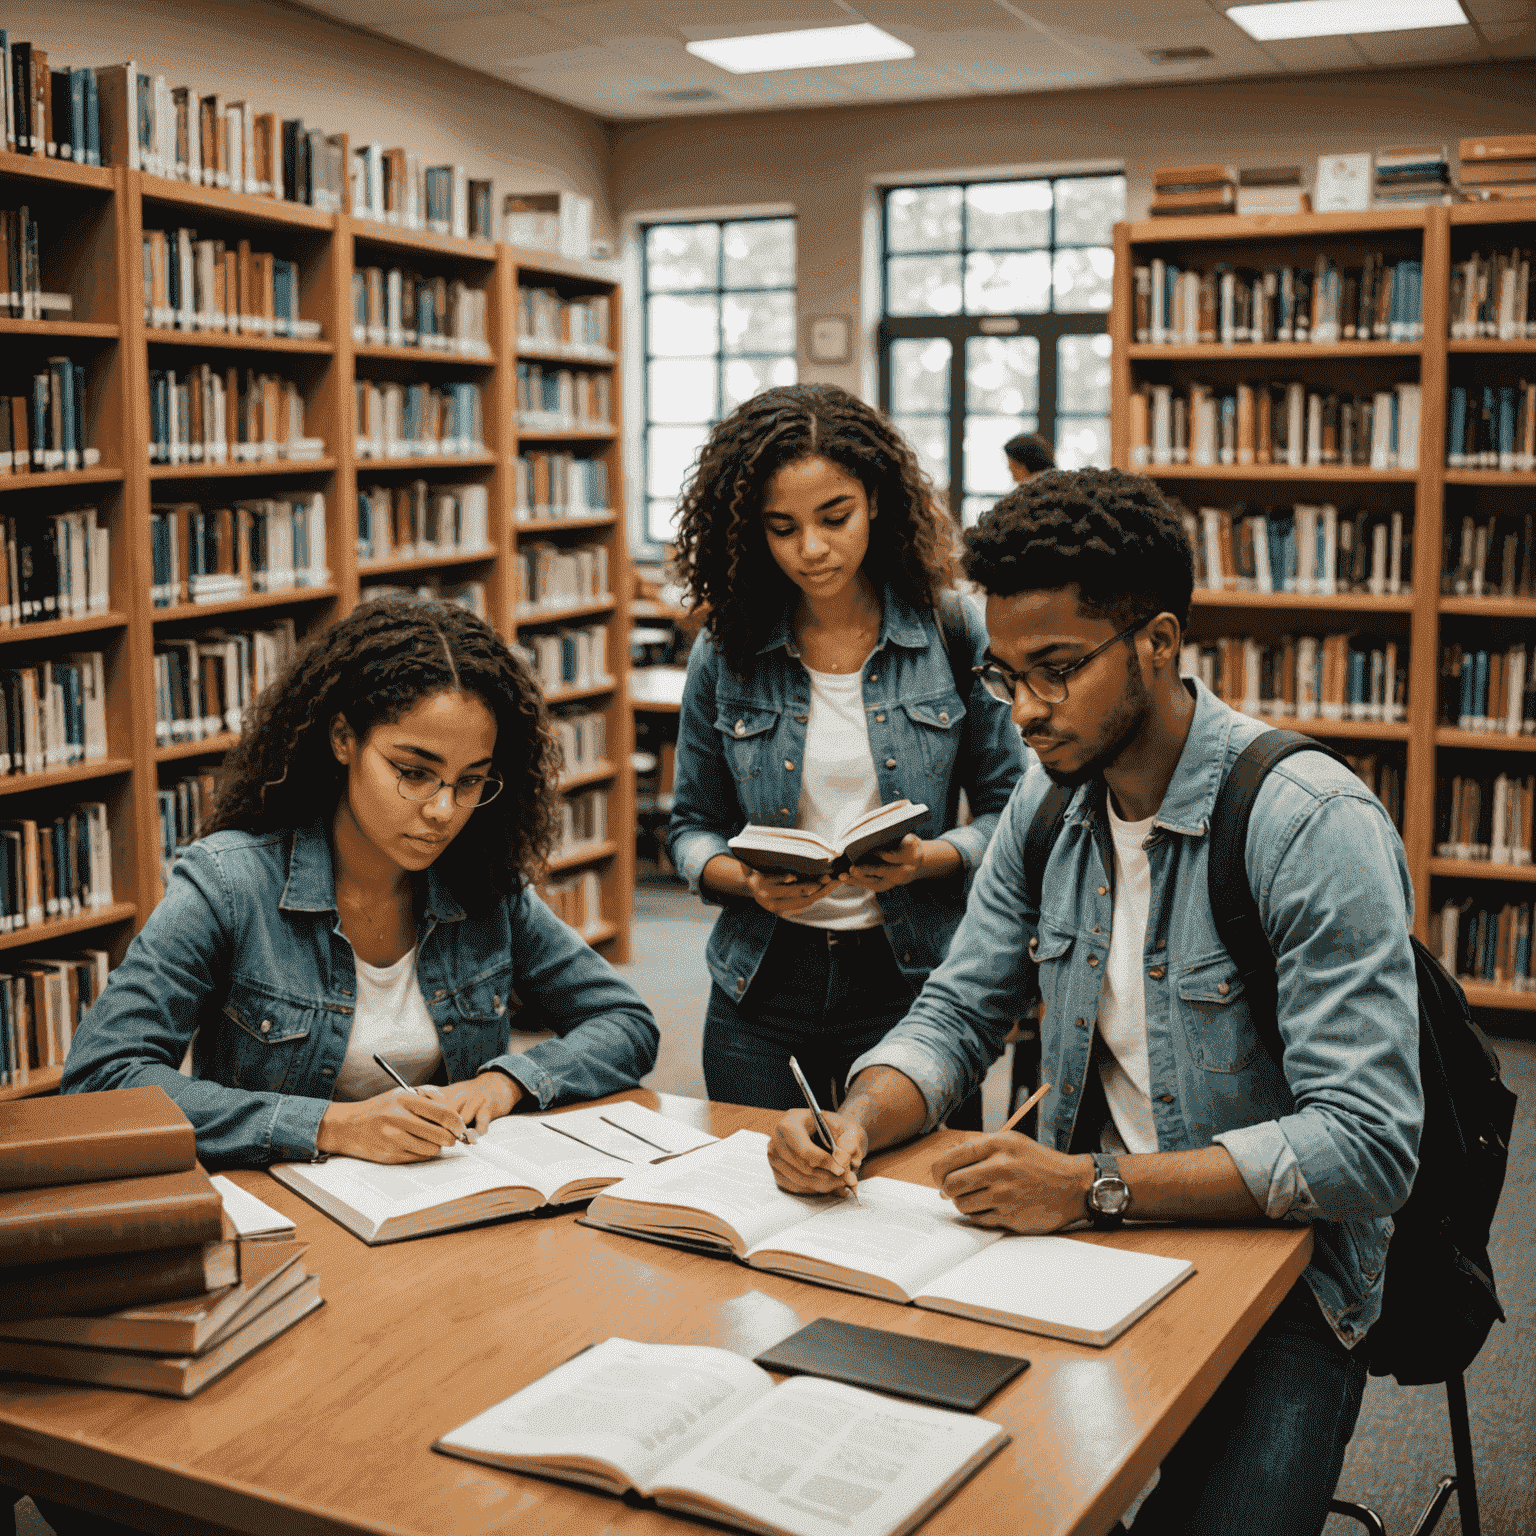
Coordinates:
(823, 1131)
(379, 1061)
(1026, 1106)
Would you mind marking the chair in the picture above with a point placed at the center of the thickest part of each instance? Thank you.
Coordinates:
(1463, 1484)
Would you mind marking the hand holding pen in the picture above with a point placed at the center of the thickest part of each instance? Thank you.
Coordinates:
(423, 1092)
(823, 1132)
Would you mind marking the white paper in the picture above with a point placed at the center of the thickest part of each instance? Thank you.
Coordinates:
(252, 1217)
(630, 1131)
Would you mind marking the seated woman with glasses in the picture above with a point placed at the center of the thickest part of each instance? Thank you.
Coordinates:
(363, 888)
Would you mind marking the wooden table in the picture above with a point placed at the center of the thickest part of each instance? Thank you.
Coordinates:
(329, 1428)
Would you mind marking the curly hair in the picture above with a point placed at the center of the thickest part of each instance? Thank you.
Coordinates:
(1111, 535)
(722, 556)
(372, 667)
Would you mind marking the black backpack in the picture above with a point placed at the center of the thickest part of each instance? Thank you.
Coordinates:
(1439, 1301)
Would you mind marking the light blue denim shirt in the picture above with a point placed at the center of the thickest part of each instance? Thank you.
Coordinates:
(246, 950)
(1333, 1138)
(740, 757)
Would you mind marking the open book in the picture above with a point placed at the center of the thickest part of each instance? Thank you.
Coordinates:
(703, 1431)
(901, 1242)
(519, 1164)
(803, 853)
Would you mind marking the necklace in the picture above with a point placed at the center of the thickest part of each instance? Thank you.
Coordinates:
(840, 650)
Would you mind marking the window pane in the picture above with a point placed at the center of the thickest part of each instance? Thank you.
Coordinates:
(682, 391)
(660, 521)
(1082, 374)
(929, 437)
(1082, 442)
(923, 219)
(972, 508)
(920, 374)
(1083, 279)
(1005, 285)
(923, 285)
(986, 465)
(1014, 214)
(669, 456)
(681, 256)
(1002, 376)
(679, 327)
(759, 253)
(1087, 207)
(758, 322)
(744, 377)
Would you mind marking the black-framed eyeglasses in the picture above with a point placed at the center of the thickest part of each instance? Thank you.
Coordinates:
(1048, 684)
(421, 785)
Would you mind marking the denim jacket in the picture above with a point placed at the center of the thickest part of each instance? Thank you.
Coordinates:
(246, 950)
(740, 750)
(1333, 1138)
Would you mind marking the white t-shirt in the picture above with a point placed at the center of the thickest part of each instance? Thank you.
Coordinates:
(1124, 1071)
(391, 1018)
(837, 786)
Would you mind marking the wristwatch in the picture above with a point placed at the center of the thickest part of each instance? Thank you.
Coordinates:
(1109, 1196)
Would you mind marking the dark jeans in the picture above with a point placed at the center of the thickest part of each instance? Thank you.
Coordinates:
(1263, 1456)
(824, 1003)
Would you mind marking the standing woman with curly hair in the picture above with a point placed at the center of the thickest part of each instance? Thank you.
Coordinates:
(332, 910)
(822, 687)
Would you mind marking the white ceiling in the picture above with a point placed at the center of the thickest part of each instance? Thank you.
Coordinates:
(618, 59)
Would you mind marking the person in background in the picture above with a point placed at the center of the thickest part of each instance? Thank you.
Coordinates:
(364, 886)
(1028, 454)
(820, 687)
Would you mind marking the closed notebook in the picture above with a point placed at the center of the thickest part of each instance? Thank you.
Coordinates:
(79, 1138)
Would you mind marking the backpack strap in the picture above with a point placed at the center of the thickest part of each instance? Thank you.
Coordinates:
(1041, 838)
(1233, 906)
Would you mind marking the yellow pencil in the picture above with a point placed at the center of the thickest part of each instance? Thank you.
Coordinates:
(1026, 1106)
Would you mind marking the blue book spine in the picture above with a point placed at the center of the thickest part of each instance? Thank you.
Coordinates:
(1357, 688)
(77, 116)
(92, 120)
(1488, 457)
(1455, 457)
(1506, 426)
(1480, 687)
(1468, 690)
(1523, 951)
(64, 381)
(146, 124)
(41, 385)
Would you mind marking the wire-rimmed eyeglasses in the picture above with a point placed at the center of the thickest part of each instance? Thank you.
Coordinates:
(1047, 683)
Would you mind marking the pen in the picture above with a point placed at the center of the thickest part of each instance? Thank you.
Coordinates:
(823, 1134)
(379, 1061)
(1026, 1106)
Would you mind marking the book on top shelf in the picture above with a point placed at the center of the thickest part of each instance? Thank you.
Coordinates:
(549, 221)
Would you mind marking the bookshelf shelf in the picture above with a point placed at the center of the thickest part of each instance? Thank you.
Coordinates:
(222, 341)
(57, 928)
(1491, 344)
(207, 747)
(443, 461)
(581, 691)
(1217, 352)
(417, 355)
(1318, 602)
(1483, 869)
(1481, 994)
(601, 933)
(35, 168)
(77, 773)
(588, 853)
(1278, 473)
(367, 569)
(593, 773)
(1483, 741)
(62, 330)
(556, 524)
(568, 434)
(241, 471)
(1489, 477)
(60, 629)
(37, 482)
(397, 237)
(1315, 227)
(40, 1080)
(1344, 730)
(253, 603)
(536, 266)
(243, 206)
(1491, 607)
(556, 352)
(527, 618)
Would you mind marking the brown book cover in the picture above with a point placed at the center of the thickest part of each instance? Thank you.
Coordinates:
(42, 102)
(74, 1221)
(21, 457)
(1198, 198)
(107, 1282)
(1503, 146)
(1193, 175)
(1482, 173)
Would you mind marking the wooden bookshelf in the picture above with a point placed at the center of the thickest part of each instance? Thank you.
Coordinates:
(1433, 494)
(98, 218)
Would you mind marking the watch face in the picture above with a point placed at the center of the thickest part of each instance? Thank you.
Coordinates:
(1109, 1195)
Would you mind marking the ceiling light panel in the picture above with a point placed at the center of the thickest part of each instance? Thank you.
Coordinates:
(1343, 18)
(816, 48)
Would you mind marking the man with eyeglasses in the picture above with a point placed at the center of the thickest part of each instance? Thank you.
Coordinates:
(1164, 1103)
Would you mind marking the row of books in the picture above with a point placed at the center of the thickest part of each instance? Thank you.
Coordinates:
(1491, 296)
(549, 576)
(560, 399)
(53, 567)
(208, 285)
(577, 900)
(392, 186)
(55, 869)
(469, 595)
(560, 485)
(1184, 191)
(50, 110)
(569, 658)
(45, 433)
(583, 738)
(1489, 559)
(205, 683)
(1481, 940)
(404, 421)
(1492, 429)
(406, 522)
(1487, 690)
(583, 820)
(236, 416)
(216, 554)
(1304, 677)
(1300, 548)
(547, 319)
(42, 1001)
(1380, 300)
(1274, 424)
(1484, 818)
(550, 221)
(1413, 176)
(394, 307)
(182, 808)
(1499, 166)
(21, 282)
(1383, 776)
(53, 714)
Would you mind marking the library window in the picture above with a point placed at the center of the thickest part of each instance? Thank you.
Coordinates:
(719, 328)
(997, 301)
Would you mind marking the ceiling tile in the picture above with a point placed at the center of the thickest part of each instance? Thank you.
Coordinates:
(898, 81)
(1425, 45)
(498, 34)
(612, 25)
(937, 15)
(721, 18)
(1010, 79)
(383, 13)
(1304, 55)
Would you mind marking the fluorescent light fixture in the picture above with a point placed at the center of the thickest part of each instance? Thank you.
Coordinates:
(815, 48)
(1340, 18)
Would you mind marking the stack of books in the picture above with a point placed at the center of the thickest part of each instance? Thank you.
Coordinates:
(1499, 168)
(1272, 189)
(124, 1264)
(1413, 177)
(1188, 190)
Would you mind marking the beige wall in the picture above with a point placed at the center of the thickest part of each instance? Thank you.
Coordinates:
(292, 63)
(824, 162)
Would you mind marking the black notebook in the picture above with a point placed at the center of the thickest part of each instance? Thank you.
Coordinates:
(947, 1374)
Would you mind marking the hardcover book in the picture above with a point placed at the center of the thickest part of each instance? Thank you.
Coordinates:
(804, 853)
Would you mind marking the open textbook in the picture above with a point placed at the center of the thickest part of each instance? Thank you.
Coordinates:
(803, 853)
(901, 1242)
(703, 1431)
(519, 1164)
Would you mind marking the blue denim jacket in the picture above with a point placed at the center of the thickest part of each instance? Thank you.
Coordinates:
(740, 747)
(246, 949)
(1333, 1139)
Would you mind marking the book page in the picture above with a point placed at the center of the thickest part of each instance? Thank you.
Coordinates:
(862, 821)
(634, 1406)
(543, 1158)
(904, 1233)
(819, 1457)
(383, 1191)
(630, 1131)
